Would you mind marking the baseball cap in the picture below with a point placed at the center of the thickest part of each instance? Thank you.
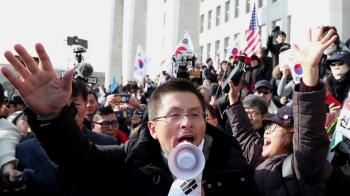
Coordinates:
(284, 117)
(254, 57)
(343, 56)
(263, 83)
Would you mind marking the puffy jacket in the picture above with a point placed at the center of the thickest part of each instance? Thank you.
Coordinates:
(310, 145)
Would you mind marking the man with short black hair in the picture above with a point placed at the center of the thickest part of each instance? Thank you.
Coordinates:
(275, 47)
(105, 121)
(91, 106)
(18, 103)
(205, 92)
(209, 72)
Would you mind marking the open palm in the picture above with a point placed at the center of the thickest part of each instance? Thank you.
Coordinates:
(39, 86)
(309, 56)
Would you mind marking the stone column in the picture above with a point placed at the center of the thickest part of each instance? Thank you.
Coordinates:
(116, 39)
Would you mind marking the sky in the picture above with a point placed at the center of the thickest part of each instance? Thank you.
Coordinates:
(51, 22)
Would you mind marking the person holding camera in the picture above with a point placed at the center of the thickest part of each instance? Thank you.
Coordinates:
(280, 38)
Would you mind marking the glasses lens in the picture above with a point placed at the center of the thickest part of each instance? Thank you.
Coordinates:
(115, 123)
(195, 117)
(104, 124)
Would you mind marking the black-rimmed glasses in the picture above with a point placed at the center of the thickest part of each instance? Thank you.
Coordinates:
(105, 124)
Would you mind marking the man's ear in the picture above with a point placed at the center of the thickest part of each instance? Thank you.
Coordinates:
(152, 129)
(92, 126)
(215, 121)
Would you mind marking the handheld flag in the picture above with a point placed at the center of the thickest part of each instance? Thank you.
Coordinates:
(141, 64)
(114, 84)
(234, 49)
(217, 61)
(185, 45)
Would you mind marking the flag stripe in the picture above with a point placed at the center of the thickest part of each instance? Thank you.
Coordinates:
(253, 36)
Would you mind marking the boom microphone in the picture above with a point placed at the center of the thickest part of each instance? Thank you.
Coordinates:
(85, 69)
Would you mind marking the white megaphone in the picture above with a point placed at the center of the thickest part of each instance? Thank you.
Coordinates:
(186, 161)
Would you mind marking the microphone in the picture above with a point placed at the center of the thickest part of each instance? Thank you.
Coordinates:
(84, 71)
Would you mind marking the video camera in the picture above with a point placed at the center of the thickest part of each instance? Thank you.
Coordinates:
(236, 73)
(182, 63)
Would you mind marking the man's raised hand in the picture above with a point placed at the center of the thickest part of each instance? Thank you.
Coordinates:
(38, 85)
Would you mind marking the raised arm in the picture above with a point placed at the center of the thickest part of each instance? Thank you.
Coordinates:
(9, 138)
(310, 161)
(242, 128)
(52, 120)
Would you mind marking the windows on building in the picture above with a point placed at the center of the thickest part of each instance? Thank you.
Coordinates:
(208, 50)
(236, 8)
(164, 18)
(235, 36)
(202, 23)
(247, 6)
(263, 35)
(218, 14)
(209, 19)
(277, 23)
(226, 45)
(217, 46)
(227, 10)
(260, 3)
(201, 54)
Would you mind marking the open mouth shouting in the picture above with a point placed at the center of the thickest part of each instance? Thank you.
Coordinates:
(267, 142)
(186, 138)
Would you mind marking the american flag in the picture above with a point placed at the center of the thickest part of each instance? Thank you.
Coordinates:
(253, 36)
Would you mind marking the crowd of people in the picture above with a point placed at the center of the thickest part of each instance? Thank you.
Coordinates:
(83, 140)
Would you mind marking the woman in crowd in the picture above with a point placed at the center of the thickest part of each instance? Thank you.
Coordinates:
(290, 131)
(338, 81)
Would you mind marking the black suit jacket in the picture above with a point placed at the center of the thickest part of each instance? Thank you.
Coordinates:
(47, 181)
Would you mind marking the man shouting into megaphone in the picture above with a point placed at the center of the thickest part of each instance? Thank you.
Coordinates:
(141, 166)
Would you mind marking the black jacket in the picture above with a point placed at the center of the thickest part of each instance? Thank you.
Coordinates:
(137, 167)
(339, 88)
(274, 49)
(46, 180)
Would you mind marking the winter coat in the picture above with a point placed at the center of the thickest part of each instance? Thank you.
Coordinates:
(339, 88)
(310, 164)
(274, 49)
(136, 168)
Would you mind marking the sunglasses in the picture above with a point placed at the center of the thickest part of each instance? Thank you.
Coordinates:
(337, 62)
(264, 92)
